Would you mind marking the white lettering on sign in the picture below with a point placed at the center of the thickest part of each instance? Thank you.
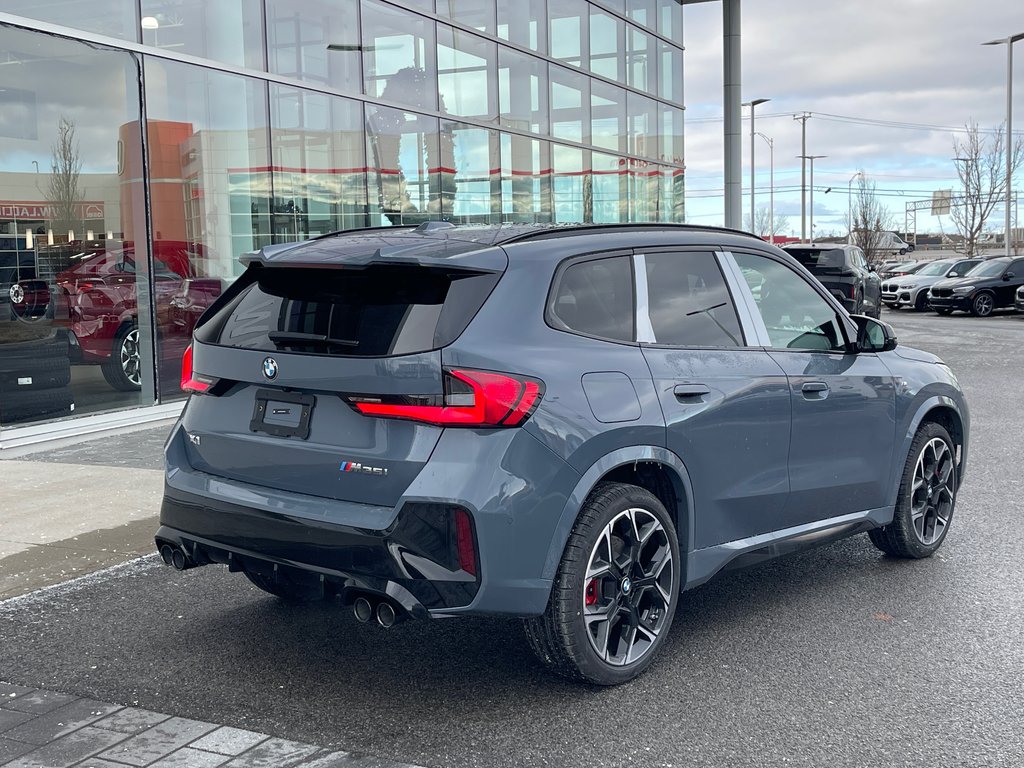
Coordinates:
(10, 209)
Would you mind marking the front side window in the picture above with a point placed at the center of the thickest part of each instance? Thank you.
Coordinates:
(688, 301)
(595, 298)
(796, 316)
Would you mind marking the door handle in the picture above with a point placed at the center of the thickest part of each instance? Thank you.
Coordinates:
(815, 390)
(690, 391)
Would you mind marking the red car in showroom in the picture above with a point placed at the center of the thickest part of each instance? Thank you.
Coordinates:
(98, 302)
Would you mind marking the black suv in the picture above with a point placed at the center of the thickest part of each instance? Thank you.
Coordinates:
(843, 270)
(988, 287)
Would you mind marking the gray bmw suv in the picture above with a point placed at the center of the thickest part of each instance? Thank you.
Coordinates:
(571, 424)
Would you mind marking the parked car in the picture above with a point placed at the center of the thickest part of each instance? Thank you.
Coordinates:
(989, 286)
(1018, 303)
(843, 270)
(193, 297)
(900, 269)
(569, 424)
(912, 290)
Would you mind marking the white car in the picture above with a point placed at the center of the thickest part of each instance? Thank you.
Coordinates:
(912, 290)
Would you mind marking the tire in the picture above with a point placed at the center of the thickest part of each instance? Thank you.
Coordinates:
(983, 304)
(24, 374)
(921, 302)
(123, 371)
(35, 405)
(281, 587)
(626, 589)
(943, 310)
(918, 534)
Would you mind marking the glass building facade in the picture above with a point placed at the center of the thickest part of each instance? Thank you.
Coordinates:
(146, 144)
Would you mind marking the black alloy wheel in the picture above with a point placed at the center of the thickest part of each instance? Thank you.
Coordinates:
(983, 304)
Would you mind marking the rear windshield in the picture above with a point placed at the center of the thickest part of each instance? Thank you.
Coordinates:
(378, 311)
(819, 259)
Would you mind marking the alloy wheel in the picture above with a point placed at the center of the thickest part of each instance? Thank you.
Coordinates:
(983, 305)
(131, 358)
(933, 491)
(627, 588)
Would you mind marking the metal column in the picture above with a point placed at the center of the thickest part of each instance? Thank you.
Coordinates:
(732, 98)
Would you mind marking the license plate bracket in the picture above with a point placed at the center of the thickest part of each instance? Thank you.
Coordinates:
(282, 414)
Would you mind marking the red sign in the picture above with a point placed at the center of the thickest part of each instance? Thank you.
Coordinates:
(13, 209)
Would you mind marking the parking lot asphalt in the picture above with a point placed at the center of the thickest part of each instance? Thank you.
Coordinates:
(838, 656)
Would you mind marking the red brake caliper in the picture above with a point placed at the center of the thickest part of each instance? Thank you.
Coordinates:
(591, 593)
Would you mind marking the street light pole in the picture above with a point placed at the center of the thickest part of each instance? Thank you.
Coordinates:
(812, 158)
(849, 206)
(771, 187)
(752, 103)
(1008, 42)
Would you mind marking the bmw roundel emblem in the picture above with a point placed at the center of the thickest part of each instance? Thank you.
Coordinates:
(270, 368)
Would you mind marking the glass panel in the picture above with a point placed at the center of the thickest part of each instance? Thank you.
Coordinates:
(670, 19)
(688, 302)
(673, 195)
(405, 157)
(643, 125)
(471, 187)
(399, 56)
(644, 191)
(74, 272)
(607, 45)
(318, 151)
(642, 12)
(226, 30)
(524, 22)
(115, 18)
(315, 40)
(572, 189)
(596, 298)
(610, 187)
(671, 134)
(466, 75)
(525, 179)
(570, 105)
(795, 315)
(570, 21)
(618, 5)
(608, 120)
(210, 166)
(642, 63)
(670, 84)
(478, 14)
(523, 91)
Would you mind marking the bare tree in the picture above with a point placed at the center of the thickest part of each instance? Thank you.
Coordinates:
(981, 165)
(763, 225)
(65, 168)
(870, 219)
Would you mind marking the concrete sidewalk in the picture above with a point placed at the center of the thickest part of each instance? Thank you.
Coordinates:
(73, 510)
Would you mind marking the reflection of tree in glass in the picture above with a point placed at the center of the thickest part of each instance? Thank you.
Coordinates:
(62, 193)
(386, 129)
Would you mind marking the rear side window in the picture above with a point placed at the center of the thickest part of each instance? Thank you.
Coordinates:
(379, 311)
(818, 259)
(688, 301)
(596, 298)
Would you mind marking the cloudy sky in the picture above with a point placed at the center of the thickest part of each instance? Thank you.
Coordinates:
(851, 64)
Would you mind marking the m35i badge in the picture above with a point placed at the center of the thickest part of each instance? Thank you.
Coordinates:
(355, 466)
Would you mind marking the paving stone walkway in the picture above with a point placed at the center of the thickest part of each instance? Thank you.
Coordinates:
(45, 729)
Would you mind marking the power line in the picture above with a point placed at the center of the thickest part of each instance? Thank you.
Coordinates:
(835, 118)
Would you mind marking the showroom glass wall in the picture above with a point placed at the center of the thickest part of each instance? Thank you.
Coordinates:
(140, 160)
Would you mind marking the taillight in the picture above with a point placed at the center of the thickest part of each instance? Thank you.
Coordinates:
(190, 380)
(853, 291)
(471, 399)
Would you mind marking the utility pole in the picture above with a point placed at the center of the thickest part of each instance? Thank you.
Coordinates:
(1008, 42)
(849, 206)
(752, 103)
(771, 186)
(803, 173)
(812, 158)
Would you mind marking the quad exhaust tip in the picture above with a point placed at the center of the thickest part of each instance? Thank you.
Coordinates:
(385, 615)
(174, 557)
(362, 609)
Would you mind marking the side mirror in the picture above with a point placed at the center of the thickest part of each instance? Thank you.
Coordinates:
(1008, 276)
(872, 268)
(874, 335)
(952, 273)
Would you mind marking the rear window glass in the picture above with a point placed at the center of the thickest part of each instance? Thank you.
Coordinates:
(379, 311)
(817, 258)
(596, 298)
(688, 301)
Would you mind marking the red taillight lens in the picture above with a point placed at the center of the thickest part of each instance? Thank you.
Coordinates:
(471, 399)
(190, 380)
(464, 541)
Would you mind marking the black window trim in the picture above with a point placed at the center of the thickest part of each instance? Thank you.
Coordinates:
(715, 252)
(555, 323)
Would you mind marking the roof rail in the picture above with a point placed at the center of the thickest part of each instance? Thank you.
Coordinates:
(563, 230)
